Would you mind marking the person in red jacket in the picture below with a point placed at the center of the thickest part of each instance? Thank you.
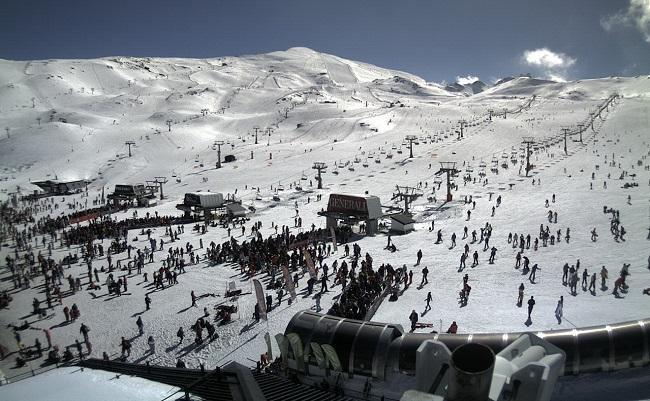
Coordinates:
(453, 328)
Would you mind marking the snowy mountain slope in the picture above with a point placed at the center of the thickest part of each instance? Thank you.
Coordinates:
(596, 88)
(324, 108)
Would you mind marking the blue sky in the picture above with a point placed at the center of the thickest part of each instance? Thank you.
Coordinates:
(435, 39)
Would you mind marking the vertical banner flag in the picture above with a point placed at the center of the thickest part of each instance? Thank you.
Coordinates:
(288, 282)
(333, 238)
(310, 263)
(259, 293)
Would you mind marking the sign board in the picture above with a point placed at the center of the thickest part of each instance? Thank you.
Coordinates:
(361, 207)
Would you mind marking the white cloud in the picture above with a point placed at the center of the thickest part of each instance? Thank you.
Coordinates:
(637, 15)
(470, 79)
(556, 77)
(552, 65)
(548, 59)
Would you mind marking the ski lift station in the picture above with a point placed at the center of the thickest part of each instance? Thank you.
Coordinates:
(129, 193)
(56, 187)
(353, 209)
(201, 203)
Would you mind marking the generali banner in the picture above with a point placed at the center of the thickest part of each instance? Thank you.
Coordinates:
(348, 205)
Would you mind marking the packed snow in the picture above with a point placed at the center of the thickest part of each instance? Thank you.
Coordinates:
(76, 384)
(70, 119)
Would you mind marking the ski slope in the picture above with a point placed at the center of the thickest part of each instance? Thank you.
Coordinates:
(320, 107)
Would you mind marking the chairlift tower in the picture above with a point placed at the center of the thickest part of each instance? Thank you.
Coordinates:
(219, 143)
(462, 123)
(257, 129)
(269, 131)
(490, 111)
(408, 195)
(448, 168)
(411, 139)
(129, 144)
(320, 166)
(160, 181)
(169, 125)
(580, 129)
(565, 131)
(528, 140)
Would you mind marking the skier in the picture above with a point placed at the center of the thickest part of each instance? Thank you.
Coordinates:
(140, 325)
(520, 298)
(324, 284)
(531, 304)
(147, 301)
(558, 309)
(317, 299)
(594, 236)
(180, 334)
(413, 317)
(84, 331)
(428, 300)
(565, 274)
(193, 298)
(493, 253)
(419, 256)
(592, 284)
(425, 273)
(617, 285)
(533, 270)
(453, 328)
(585, 275)
(152, 345)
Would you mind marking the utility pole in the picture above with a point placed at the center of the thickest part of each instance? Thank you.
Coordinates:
(490, 111)
(528, 140)
(160, 181)
(169, 125)
(320, 166)
(411, 139)
(219, 143)
(566, 132)
(448, 168)
(256, 128)
(462, 125)
(408, 195)
(129, 144)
